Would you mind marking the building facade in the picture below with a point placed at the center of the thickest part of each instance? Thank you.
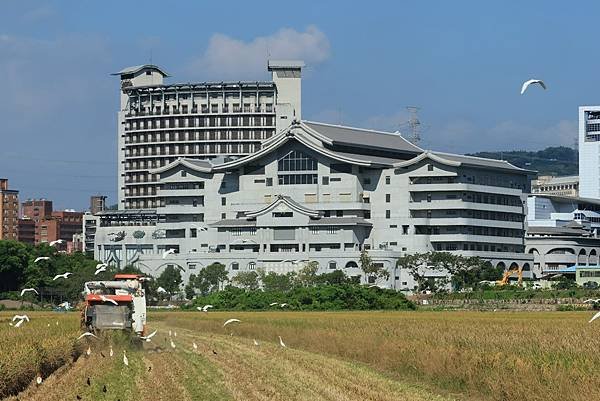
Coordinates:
(589, 152)
(97, 203)
(9, 211)
(158, 123)
(553, 185)
(49, 225)
(324, 193)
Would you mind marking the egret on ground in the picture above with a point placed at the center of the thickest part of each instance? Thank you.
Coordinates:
(149, 336)
(281, 342)
(125, 360)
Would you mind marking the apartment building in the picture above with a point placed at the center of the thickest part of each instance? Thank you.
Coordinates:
(323, 193)
(159, 122)
(9, 211)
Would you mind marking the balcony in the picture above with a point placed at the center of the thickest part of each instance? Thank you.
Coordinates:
(452, 237)
(465, 221)
(460, 204)
(464, 187)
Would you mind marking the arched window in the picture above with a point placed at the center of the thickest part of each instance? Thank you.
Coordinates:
(251, 265)
(351, 265)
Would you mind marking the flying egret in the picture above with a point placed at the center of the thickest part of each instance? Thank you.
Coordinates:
(596, 316)
(58, 241)
(531, 82)
(87, 334)
(24, 290)
(41, 258)
(283, 305)
(194, 345)
(161, 290)
(149, 336)
(112, 301)
(591, 301)
(281, 342)
(64, 275)
(231, 321)
(19, 323)
(168, 252)
(274, 303)
(125, 360)
(101, 267)
(255, 342)
(20, 317)
(205, 308)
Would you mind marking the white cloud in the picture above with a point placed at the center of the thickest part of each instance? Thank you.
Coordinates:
(230, 58)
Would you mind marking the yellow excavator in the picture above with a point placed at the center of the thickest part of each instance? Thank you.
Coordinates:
(510, 272)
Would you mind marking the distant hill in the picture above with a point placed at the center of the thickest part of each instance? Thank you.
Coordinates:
(556, 160)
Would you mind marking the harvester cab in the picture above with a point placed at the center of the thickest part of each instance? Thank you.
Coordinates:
(119, 304)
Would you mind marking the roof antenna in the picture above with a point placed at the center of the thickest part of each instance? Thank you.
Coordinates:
(413, 124)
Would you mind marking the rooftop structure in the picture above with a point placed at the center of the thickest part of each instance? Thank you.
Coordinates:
(554, 185)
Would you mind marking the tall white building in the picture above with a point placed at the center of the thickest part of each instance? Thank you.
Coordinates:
(589, 152)
(158, 122)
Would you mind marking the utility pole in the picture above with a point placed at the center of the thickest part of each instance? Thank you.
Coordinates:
(414, 125)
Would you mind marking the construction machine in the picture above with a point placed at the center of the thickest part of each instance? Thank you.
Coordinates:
(119, 304)
(506, 276)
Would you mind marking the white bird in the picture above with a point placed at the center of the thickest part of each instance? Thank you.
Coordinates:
(100, 267)
(174, 334)
(20, 317)
(168, 252)
(531, 82)
(125, 360)
(161, 290)
(89, 351)
(194, 345)
(281, 342)
(65, 305)
(231, 321)
(596, 316)
(19, 323)
(24, 290)
(111, 353)
(41, 258)
(64, 275)
(274, 303)
(170, 333)
(283, 305)
(86, 334)
(112, 301)
(255, 342)
(205, 308)
(591, 301)
(149, 336)
(38, 380)
(172, 344)
(58, 241)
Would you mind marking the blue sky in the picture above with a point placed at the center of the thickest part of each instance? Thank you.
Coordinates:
(462, 62)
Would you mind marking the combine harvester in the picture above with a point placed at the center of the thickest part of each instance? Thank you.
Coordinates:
(115, 305)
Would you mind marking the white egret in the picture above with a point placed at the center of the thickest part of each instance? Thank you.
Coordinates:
(231, 321)
(194, 345)
(591, 301)
(274, 303)
(281, 342)
(531, 82)
(89, 351)
(172, 344)
(168, 252)
(596, 316)
(20, 317)
(101, 267)
(86, 334)
(24, 290)
(41, 258)
(39, 380)
(64, 275)
(255, 342)
(149, 336)
(58, 241)
(111, 353)
(283, 305)
(112, 301)
(125, 360)
(19, 323)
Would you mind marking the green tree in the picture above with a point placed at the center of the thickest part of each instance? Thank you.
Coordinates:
(211, 278)
(14, 257)
(170, 280)
(373, 272)
(278, 282)
(307, 276)
(247, 280)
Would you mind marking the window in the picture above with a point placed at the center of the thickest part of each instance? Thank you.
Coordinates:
(293, 179)
(269, 182)
(339, 213)
(340, 168)
(332, 265)
(388, 198)
(251, 265)
(388, 214)
(296, 161)
(223, 201)
(430, 167)
(283, 214)
(387, 180)
(367, 181)
(235, 266)
(193, 232)
(405, 230)
(223, 216)
(325, 180)
(184, 173)
(284, 234)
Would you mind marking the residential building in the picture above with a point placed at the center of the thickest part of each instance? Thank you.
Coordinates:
(37, 210)
(159, 122)
(554, 185)
(97, 203)
(323, 193)
(589, 152)
(50, 225)
(9, 211)
(26, 228)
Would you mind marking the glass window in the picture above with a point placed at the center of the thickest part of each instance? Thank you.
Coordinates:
(297, 161)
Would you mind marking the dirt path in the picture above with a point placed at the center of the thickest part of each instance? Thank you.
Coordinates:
(220, 368)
